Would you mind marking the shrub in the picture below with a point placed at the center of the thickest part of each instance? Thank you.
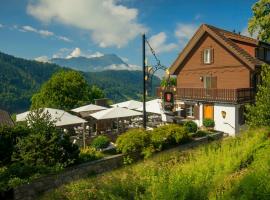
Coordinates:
(209, 123)
(100, 142)
(8, 139)
(45, 145)
(89, 154)
(132, 141)
(191, 126)
(166, 135)
(201, 133)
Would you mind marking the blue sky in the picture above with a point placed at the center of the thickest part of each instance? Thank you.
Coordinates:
(62, 28)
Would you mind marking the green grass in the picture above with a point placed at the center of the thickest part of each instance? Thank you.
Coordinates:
(235, 168)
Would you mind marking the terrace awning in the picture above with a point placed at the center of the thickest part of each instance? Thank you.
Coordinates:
(115, 113)
(61, 117)
(89, 108)
(131, 104)
(153, 106)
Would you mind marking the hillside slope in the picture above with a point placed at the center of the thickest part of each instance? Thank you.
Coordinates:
(235, 168)
(20, 79)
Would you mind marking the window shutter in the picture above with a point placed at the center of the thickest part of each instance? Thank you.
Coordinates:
(196, 112)
(213, 82)
(202, 56)
(212, 55)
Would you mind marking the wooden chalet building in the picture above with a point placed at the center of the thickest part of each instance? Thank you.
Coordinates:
(217, 74)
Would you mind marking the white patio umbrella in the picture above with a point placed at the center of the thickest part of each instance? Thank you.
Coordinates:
(61, 117)
(131, 104)
(153, 106)
(89, 108)
(115, 113)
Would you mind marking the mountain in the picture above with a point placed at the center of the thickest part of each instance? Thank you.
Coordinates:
(21, 78)
(94, 64)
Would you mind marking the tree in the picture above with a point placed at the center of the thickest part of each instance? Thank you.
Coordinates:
(259, 114)
(170, 82)
(45, 145)
(65, 90)
(260, 22)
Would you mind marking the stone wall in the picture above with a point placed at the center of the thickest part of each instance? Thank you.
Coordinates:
(32, 190)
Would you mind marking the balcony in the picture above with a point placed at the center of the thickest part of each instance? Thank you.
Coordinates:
(239, 95)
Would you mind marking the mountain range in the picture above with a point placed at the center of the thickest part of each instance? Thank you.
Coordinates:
(21, 78)
(95, 64)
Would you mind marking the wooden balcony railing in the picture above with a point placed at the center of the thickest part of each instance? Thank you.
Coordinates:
(215, 95)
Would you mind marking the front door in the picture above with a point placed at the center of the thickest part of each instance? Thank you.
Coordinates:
(208, 111)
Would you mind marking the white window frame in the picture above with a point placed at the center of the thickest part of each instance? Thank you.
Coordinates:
(207, 56)
(190, 111)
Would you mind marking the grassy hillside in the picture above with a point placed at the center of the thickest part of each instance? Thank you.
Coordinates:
(20, 79)
(235, 168)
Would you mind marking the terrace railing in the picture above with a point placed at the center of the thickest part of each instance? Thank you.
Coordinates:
(215, 95)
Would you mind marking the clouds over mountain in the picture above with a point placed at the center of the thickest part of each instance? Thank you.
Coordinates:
(108, 22)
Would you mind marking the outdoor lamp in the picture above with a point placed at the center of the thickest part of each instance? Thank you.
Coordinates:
(223, 114)
(201, 78)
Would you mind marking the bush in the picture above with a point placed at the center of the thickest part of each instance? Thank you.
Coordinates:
(191, 126)
(45, 145)
(166, 135)
(100, 142)
(89, 154)
(133, 141)
(209, 123)
(201, 133)
(8, 139)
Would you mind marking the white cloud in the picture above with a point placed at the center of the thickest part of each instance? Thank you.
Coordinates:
(123, 67)
(1, 25)
(108, 22)
(64, 38)
(43, 33)
(95, 55)
(42, 59)
(184, 32)
(28, 29)
(246, 33)
(75, 53)
(158, 43)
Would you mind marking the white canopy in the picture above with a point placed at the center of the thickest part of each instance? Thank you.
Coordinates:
(131, 104)
(114, 113)
(62, 117)
(153, 106)
(87, 108)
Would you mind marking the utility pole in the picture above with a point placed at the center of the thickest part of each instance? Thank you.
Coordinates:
(144, 81)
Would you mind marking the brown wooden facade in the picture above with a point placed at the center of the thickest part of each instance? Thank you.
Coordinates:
(232, 74)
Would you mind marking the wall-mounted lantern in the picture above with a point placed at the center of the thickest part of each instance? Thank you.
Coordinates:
(223, 114)
(201, 78)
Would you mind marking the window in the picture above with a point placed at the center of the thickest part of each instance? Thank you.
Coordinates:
(260, 53)
(241, 115)
(207, 56)
(190, 110)
(267, 55)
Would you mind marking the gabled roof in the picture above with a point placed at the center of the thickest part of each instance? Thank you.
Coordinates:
(225, 38)
(5, 119)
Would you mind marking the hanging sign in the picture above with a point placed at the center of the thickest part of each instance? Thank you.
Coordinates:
(168, 101)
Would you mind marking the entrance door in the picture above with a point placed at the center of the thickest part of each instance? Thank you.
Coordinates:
(208, 111)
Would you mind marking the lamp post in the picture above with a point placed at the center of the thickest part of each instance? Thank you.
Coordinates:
(144, 81)
(148, 73)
